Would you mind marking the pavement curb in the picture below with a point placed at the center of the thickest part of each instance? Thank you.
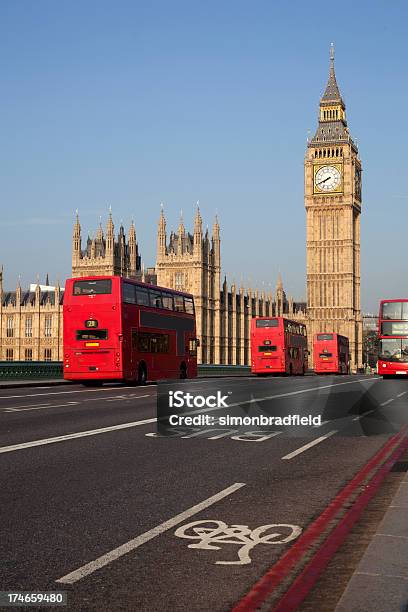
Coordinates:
(382, 574)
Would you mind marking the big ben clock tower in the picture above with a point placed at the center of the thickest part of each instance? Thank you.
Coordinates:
(333, 207)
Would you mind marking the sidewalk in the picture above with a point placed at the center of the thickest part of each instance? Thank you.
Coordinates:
(380, 581)
(41, 382)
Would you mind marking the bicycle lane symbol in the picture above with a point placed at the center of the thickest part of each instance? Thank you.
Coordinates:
(211, 534)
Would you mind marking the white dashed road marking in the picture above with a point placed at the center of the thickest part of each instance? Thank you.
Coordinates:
(388, 401)
(362, 415)
(87, 399)
(61, 392)
(304, 448)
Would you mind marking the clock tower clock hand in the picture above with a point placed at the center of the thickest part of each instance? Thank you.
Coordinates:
(324, 180)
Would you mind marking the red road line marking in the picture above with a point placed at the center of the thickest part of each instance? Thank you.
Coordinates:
(278, 572)
(300, 588)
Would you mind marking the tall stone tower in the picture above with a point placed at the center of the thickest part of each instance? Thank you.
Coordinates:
(103, 255)
(192, 263)
(333, 207)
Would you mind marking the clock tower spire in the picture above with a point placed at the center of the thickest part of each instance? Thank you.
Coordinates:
(333, 207)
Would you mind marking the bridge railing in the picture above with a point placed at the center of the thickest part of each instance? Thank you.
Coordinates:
(22, 370)
(26, 370)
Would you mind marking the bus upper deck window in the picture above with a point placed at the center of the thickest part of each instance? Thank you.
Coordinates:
(167, 299)
(155, 298)
(129, 293)
(179, 303)
(189, 305)
(93, 287)
(142, 296)
(392, 310)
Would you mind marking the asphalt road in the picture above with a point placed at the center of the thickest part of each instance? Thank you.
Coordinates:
(97, 504)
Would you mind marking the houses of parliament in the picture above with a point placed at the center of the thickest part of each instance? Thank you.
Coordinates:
(31, 320)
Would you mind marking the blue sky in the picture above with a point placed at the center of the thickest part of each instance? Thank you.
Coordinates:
(132, 103)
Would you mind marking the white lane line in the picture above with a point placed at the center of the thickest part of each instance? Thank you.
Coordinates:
(26, 408)
(401, 394)
(388, 401)
(73, 436)
(63, 392)
(362, 415)
(304, 448)
(88, 399)
(105, 399)
(116, 553)
(121, 397)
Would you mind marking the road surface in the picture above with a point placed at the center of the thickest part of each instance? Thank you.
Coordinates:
(96, 504)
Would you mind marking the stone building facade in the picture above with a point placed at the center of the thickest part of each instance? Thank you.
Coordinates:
(105, 255)
(30, 324)
(192, 262)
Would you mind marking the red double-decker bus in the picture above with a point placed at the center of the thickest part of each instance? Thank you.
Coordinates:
(393, 338)
(117, 329)
(331, 354)
(278, 346)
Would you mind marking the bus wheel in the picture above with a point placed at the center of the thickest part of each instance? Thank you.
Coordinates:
(183, 371)
(142, 375)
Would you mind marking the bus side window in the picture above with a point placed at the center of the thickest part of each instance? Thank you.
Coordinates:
(155, 298)
(179, 303)
(150, 343)
(142, 296)
(189, 305)
(167, 300)
(129, 293)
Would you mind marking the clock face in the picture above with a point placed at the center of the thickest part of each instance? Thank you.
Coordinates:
(327, 178)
